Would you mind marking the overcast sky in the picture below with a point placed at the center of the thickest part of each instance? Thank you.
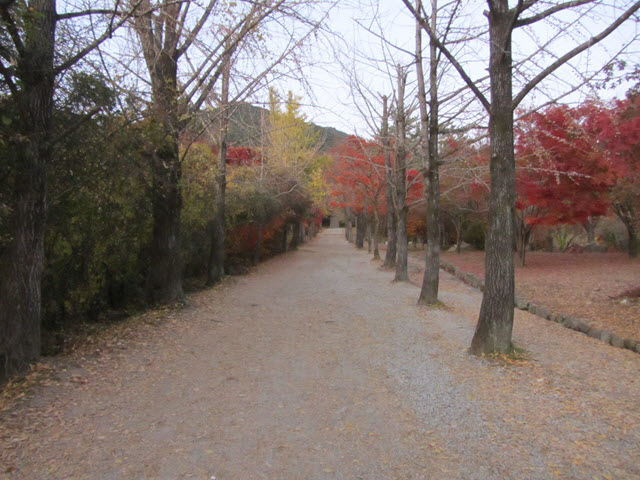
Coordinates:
(356, 48)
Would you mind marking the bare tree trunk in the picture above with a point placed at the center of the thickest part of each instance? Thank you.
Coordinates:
(590, 229)
(524, 244)
(633, 241)
(295, 236)
(22, 264)
(390, 255)
(392, 250)
(376, 235)
(519, 231)
(431, 278)
(361, 229)
(549, 243)
(23, 259)
(285, 229)
(215, 267)
(626, 214)
(164, 279)
(495, 323)
(369, 239)
(401, 184)
(402, 272)
(215, 272)
(348, 225)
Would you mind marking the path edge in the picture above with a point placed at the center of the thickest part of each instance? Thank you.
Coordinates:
(567, 321)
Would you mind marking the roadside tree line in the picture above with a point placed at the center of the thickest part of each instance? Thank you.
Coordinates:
(114, 182)
(526, 55)
(574, 165)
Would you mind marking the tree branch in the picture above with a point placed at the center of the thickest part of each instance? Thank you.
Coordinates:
(194, 33)
(201, 75)
(569, 55)
(74, 126)
(13, 29)
(549, 12)
(10, 83)
(83, 13)
(248, 24)
(432, 35)
(169, 14)
(93, 45)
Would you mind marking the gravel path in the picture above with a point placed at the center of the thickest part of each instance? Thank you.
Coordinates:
(317, 366)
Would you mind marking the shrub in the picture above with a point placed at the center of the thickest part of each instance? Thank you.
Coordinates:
(475, 235)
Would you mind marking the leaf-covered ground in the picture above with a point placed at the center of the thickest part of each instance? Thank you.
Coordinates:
(317, 366)
(585, 285)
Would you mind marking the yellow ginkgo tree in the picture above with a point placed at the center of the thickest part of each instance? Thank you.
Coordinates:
(292, 157)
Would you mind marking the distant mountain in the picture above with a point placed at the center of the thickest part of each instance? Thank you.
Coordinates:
(248, 121)
(331, 136)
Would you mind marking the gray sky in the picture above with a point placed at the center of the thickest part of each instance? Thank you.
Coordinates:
(358, 49)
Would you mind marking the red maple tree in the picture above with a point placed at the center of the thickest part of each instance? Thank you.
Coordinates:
(358, 176)
(562, 175)
(618, 127)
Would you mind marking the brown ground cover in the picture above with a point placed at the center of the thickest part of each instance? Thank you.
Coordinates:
(585, 285)
(316, 365)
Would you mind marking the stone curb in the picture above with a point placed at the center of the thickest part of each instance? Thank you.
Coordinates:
(567, 321)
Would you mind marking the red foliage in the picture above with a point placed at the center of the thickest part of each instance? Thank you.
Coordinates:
(358, 175)
(417, 224)
(242, 156)
(563, 176)
(618, 130)
(243, 239)
(619, 139)
(415, 188)
(317, 214)
(575, 162)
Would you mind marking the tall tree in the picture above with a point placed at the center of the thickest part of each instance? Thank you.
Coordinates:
(184, 45)
(495, 322)
(165, 35)
(619, 140)
(391, 253)
(400, 179)
(429, 135)
(215, 270)
(291, 156)
(562, 176)
(31, 60)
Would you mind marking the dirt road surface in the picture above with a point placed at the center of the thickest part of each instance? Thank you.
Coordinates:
(317, 366)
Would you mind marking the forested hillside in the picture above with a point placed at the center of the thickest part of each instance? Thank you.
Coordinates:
(248, 124)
